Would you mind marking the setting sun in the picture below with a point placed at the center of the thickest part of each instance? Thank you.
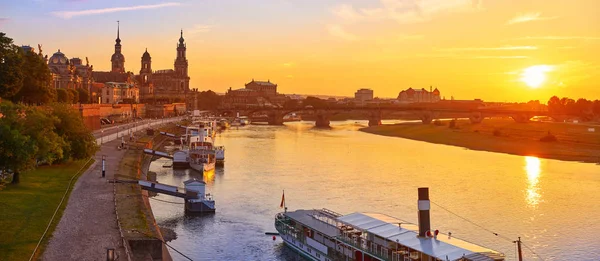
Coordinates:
(535, 76)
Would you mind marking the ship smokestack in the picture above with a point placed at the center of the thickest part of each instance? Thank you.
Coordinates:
(423, 203)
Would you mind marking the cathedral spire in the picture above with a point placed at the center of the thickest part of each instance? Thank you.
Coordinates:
(118, 38)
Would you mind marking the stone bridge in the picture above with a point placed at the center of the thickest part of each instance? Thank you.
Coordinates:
(425, 114)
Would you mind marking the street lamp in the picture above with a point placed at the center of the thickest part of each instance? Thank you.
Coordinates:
(101, 136)
(103, 165)
(110, 254)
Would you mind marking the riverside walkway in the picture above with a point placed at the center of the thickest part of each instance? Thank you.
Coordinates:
(88, 226)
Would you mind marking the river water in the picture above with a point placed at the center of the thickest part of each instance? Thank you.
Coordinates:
(554, 206)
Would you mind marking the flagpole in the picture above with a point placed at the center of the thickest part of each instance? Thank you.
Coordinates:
(284, 208)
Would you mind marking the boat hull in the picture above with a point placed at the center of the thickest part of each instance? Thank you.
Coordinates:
(200, 207)
(297, 248)
(181, 165)
(203, 166)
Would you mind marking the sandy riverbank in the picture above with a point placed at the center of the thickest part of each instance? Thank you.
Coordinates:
(575, 141)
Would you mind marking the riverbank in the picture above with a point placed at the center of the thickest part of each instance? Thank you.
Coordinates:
(574, 141)
(26, 208)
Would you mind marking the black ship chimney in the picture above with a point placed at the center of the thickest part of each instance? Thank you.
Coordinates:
(424, 220)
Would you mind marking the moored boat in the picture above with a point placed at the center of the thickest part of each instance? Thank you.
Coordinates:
(203, 202)
(325, 235)
(202, 160)
(219, 155)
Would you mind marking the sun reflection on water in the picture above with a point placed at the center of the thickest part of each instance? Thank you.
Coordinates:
(533, 169)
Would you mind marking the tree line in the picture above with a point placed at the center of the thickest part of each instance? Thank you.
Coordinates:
(583, 108)
(35, 129)
(25, 78)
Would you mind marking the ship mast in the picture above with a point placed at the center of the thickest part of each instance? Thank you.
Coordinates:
(519, 248)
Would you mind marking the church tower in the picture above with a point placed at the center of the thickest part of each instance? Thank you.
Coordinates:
(118, 60)
(146, 69)
(181, 66)
(146, 86)
(181, 63)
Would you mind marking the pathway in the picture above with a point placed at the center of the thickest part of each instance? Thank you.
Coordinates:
(88, 226)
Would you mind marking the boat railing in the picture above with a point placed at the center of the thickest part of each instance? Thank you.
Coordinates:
(331, 212)
(383, 253)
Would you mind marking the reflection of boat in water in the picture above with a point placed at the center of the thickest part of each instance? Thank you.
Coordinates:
(326, 235)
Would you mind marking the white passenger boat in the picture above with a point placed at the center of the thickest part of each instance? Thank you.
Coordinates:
(202, 151)
(325, 235)
(219, 155)
(202, 160)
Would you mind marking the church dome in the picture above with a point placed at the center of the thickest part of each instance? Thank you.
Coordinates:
(58, 58)
(146, 55)
(117, 57)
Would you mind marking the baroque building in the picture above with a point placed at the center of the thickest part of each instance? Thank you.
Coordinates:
(69, 73)
(166, 84)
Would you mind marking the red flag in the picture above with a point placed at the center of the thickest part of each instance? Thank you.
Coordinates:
(282, 200)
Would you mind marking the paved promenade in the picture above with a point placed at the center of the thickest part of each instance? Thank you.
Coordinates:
(89, 225)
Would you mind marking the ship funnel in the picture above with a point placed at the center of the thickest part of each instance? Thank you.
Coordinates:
(424, 205)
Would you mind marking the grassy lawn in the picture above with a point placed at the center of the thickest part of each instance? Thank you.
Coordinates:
(26, 208)
(575, 143)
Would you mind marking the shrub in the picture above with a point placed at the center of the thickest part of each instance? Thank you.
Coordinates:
(452, 124)
(497, 133)
(549, 138)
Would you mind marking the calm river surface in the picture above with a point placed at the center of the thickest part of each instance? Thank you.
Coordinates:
(554, 206)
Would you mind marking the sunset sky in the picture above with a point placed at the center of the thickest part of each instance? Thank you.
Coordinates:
(489, 49)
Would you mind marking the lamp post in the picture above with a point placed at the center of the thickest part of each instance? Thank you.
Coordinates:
(110, 254)
(101, 136)
(103, 166)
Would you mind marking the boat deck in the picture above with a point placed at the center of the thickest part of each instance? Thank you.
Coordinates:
(307, 218)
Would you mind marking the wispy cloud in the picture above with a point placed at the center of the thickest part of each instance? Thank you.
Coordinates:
(338, 31)
(3, 20)
(529, 17)
(199, 28)
(288, 65)
(501, 48)
(405, 37)
(404, 11)
(498, 57)
(71, 14)
(464, 56)
(559, 38)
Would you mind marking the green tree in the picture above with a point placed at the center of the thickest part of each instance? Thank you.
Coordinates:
(84, 95)
(73, 95)
(11, 62)
(71, 128)
(37, 82)
(39, 124)
(596, 107)
(17, 151)
(62, 95)
(208, 100)
(555, 105)
(314, 102)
